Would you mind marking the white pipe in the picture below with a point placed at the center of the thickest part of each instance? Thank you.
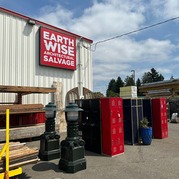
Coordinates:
(80, 82)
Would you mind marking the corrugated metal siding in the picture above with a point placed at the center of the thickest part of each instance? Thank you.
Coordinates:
(19, 62)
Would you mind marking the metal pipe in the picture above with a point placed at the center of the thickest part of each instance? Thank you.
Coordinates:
(80, 82)
(133, 75)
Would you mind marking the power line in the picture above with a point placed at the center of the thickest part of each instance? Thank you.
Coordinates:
(134, 31)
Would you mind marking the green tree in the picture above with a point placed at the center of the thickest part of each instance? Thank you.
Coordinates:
(138, 83)
(152, 76)
(129, 81)
(112, 94)
(98, 95)
(114, 87)
(111, 91)
(119, 83)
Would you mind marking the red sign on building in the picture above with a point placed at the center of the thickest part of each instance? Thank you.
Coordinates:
(57, 49)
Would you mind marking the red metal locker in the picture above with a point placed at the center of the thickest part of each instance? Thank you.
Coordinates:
(117, 146)
(33, 118)
(39, 117)
(13, 120)
(112, 126)
(116, 116)
(164, 133)
(159, 116)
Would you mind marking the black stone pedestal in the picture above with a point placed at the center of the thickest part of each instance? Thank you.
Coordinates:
(72, 150)
(49, 148)
(72, 157)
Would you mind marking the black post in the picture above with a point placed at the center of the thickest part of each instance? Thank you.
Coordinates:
(49, 140)
(72, 149)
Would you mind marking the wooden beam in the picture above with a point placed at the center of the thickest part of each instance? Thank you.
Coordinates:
(25, 132)
(25, 89)
(21, 108)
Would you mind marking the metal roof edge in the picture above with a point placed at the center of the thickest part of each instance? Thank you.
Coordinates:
(161, 82)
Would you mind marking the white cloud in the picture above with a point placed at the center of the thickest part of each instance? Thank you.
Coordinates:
(104, 19)
(128, 50)
(176, 59)
(106, 71)
(164, 70)
(165, 8)
(56, 15)
(107, 19)
(116, 58)
(110, 18)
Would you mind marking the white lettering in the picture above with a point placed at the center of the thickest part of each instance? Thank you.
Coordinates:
(46, 58)
(59, 39)
(58, 49)
(64, 49)
(65, 40)
(71, 42)
(71, 51)
(57, 60)
(53, 37)
(46, 35)
(50, 45)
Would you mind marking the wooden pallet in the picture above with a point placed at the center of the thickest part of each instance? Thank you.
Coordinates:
(20, 155)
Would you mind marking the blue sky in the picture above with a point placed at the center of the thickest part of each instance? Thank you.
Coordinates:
(157, 47)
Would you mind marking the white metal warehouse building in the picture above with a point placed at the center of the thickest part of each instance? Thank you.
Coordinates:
(36, 54)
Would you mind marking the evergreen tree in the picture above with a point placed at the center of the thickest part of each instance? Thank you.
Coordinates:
(111, 91)
(138, 83)
(119, 83)
(112, 85)
(152, 76)
(129, 81)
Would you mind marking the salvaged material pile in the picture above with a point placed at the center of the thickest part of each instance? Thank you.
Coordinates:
(128, 92)
(20, 155)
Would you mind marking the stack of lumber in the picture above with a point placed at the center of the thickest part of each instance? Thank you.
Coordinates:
(128, 92)
(20, 155)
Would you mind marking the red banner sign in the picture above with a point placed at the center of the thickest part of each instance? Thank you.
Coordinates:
(57, 50)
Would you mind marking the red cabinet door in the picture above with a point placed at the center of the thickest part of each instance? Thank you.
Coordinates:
(112, 126)
(116, 116)
(159, 116)
(117, 146)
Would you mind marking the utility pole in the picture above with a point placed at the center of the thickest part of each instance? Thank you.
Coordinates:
(133, 75)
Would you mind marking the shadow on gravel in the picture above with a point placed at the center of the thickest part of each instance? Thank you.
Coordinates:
(45, 166)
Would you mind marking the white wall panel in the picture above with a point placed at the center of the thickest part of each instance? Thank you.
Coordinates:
(19, 61)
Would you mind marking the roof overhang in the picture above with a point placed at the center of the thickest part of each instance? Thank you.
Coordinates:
(161, 88)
